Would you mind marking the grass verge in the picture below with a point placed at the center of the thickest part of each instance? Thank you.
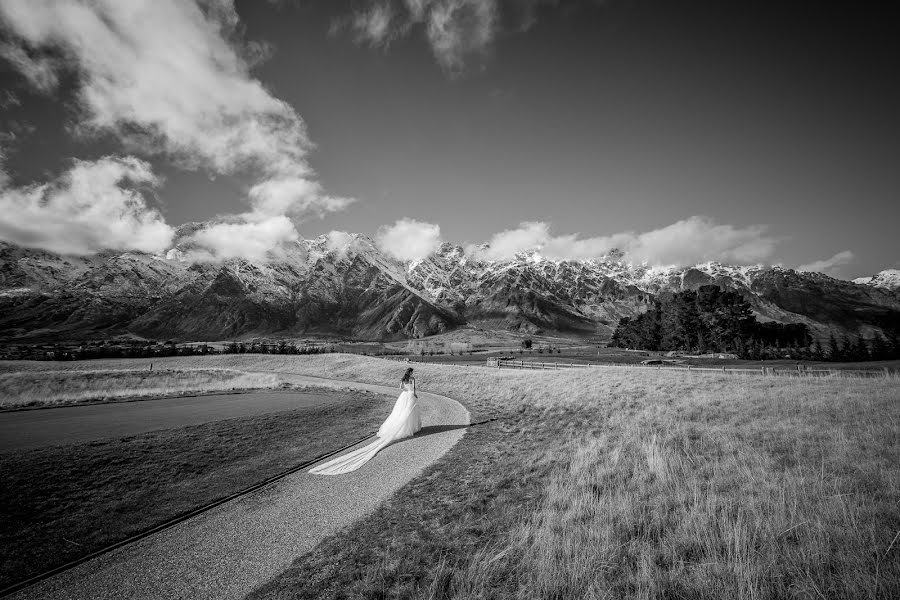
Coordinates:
(62, 502)
(58, 387)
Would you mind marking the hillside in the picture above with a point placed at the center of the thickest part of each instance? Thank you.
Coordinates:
(355, 290)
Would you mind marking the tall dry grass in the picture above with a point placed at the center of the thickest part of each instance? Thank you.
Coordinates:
(616, 483)
(48, 387)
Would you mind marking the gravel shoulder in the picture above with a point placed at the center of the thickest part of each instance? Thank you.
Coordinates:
(230, 550)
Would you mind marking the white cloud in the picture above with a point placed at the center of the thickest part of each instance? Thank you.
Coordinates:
(455, 29)
(339, 242)
(39, 71)
(171, 78)
(258, 234)
(252, 240)
(506, 244)
(408, 239)
(700, 239)
(829, 266)
(162, 75)
(92, 207)
(4, 176)
(689, 241)
(294, 196)
(374, 25)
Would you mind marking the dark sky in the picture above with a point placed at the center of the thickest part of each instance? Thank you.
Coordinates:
(598, 118)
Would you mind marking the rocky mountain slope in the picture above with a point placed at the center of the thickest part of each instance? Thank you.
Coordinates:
(315, 287)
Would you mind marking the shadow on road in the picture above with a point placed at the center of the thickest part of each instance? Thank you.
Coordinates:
(433, 429)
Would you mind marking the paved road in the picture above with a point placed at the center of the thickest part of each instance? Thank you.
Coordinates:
(232, 549)
(20, 430)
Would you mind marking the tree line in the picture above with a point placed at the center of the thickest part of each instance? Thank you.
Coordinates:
(88, 351)
(279, 348)
(715, 320)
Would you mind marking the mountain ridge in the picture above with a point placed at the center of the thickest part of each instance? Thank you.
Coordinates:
(354, 289)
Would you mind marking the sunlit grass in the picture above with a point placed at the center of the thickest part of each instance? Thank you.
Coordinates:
(614, 483)
(39, 388)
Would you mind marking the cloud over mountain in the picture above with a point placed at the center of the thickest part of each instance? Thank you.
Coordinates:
(171, 78)
(93, 206)
(829, 265)
(246, 237)
(408, 239)
(689, 241)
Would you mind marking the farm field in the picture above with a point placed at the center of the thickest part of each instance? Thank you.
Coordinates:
(61, 502)
(625, 483)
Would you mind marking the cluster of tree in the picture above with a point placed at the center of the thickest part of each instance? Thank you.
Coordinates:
(708, 320)
(877, 347)
(151, 350)
(143, 351)
(87, 351)
(279, 348)
(716, 320)
(451, 352)
(528, 345)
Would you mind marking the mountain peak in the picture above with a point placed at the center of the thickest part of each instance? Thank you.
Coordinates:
(888, 279)
(345, 284)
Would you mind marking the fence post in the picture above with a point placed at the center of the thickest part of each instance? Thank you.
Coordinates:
(763, 369)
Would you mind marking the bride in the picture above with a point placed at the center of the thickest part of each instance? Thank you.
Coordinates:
(404, 421)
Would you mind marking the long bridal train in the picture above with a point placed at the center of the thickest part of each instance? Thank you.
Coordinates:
(404, 421)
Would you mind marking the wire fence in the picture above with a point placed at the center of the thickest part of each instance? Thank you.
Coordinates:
(799, 371)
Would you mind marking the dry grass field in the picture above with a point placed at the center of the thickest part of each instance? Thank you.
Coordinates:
(617, 483)
(55, 387)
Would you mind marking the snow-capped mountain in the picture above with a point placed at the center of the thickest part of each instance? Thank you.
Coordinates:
(348, 287)
(888, 279)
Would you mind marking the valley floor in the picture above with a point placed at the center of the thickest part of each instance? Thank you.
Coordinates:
(624, 483)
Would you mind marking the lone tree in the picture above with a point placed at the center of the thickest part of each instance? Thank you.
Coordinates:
(526, 344)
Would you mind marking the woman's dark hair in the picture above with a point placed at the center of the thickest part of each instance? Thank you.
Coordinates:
(406, 375)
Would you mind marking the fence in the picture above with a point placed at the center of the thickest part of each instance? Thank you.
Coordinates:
(418, 360)
(799, 371)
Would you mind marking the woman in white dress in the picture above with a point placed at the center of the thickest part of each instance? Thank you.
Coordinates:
(404, 421)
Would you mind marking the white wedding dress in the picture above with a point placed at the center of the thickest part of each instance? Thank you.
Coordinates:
(404, 421)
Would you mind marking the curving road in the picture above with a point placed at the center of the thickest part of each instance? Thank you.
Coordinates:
(234, 548)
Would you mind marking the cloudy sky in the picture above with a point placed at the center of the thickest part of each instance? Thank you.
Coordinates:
(677, 131)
